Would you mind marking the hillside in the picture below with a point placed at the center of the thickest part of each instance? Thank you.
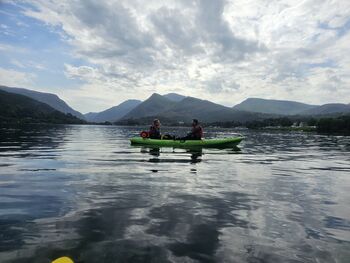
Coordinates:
(50, 99)
(187, 109)
(90, 115)
(280, 107)
(16, 108)
(153, 106)
(174, 97)
(114, 113)
(206, 111)
(327, 109)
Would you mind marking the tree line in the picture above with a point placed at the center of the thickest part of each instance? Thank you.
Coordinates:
(339, 124)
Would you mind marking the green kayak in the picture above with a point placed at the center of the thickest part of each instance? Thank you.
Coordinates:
(204, 143)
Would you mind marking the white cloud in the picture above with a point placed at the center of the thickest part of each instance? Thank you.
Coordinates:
(219, 50)
(9, 48)
(27, 64)
(17, 63)
(15, 78)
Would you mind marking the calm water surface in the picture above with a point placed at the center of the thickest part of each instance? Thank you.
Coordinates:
(84, 192)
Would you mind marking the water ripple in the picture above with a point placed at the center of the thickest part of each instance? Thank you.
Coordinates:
(83, 191)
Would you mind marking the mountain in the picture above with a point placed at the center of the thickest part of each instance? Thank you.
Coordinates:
(16, 108)
(174, 97)
(90, 115)
(206, 111)
(330, 108)
(50, 99)
(158, 106)
(281, 107)
(114, 113)
(132, 109)
(153, 106)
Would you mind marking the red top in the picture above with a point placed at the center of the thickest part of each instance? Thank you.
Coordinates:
(197, 131)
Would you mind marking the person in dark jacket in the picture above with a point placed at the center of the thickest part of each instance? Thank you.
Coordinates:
(154, 130)
(196, 132)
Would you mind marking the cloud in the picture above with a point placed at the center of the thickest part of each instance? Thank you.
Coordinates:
(17, 63)
(211, 49)
(12, 49)
(15, 78)
(27, 64)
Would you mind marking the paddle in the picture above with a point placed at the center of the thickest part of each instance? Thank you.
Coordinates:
(63, 260)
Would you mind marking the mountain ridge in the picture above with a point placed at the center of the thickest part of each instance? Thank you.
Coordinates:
(17, 108)
(271, 106)
(189, 108)
(174, 96)
(151, 106)
(183, 108)
(113, 113)
(48, 98)
(329, 108)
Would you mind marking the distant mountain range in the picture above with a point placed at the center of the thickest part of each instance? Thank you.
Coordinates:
(16, 108)
(188, 108)
(114, 113)
(153, 106)
(133, 109)
(50, 99)
(284, 107)
(280, 107)
(326, 109)
(178, 108)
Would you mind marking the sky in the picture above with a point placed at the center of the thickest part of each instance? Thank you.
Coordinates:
(96, 54)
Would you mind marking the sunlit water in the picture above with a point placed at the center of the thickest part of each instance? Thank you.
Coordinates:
(84, 192)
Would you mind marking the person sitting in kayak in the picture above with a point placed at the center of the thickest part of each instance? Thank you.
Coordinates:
(154, 130)
(196, 132)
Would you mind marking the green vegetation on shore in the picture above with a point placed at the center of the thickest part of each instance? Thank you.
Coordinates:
(19, 109)
(334, 125)
(331, 125)
(339, 125)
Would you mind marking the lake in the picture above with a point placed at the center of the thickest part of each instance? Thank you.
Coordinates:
(84, 192)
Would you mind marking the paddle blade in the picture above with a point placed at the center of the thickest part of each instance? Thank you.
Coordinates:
(63, 260)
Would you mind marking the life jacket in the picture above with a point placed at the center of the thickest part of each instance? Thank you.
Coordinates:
(154, 133)
(197, 132)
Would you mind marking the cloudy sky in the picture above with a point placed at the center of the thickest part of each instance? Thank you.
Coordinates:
(95, 54)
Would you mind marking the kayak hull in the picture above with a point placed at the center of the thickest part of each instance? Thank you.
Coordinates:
(204, 143)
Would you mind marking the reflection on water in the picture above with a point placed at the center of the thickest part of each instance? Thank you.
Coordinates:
(84, 192)
(155, 152)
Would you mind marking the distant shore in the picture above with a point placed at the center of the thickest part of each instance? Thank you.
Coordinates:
(335, 125)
